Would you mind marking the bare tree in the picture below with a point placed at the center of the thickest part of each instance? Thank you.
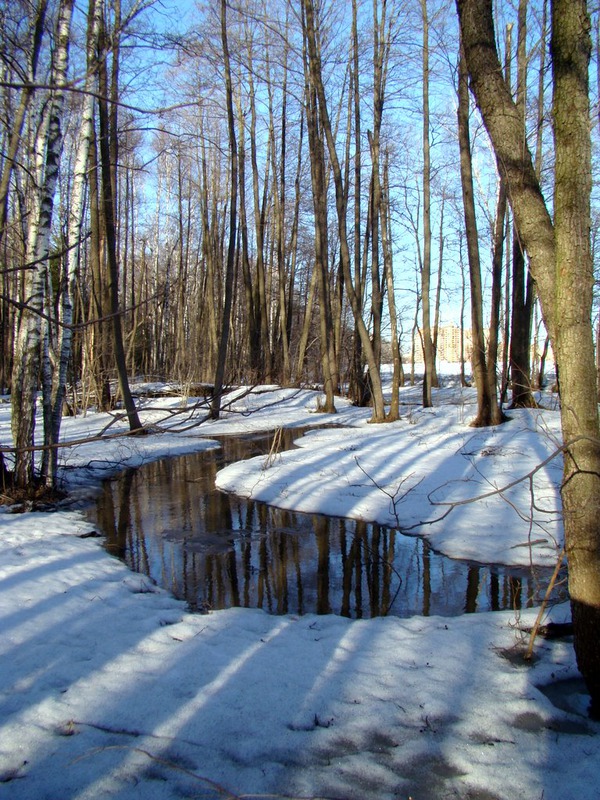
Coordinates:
(522, 284)
(29, 342)
(231, 246)
(63, 345)
(428, 352)
(108, 141)
(341, 196)
(488, 409)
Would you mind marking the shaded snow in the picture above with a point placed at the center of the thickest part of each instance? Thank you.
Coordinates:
(109, 688)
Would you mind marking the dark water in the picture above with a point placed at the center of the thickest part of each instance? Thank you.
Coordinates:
(215, 550)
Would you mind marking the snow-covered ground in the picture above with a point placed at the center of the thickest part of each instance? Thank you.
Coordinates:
(109, 688)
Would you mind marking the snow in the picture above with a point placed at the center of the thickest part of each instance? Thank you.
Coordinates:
(110, 688)
(428, 466)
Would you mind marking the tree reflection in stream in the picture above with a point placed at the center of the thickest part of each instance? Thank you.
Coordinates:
(214, 550)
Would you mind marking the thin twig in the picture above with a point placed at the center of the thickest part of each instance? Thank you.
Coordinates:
(538, 620)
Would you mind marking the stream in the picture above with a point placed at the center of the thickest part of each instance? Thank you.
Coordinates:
(214, 550)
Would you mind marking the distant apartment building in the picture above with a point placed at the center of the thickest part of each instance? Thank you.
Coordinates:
(448, 344)
(449, 349)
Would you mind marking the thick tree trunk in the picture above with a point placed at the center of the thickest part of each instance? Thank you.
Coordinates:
(570, 47)
(99, 346)
(561, 265)
(261, 300)
(358, 390)
(319, 193)
(520, 331)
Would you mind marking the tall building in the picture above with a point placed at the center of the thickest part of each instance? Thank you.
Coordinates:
(448, 344)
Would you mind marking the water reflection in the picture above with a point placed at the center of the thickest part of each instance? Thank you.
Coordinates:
(215, 550)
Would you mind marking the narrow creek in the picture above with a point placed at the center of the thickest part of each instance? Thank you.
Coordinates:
(167, 520)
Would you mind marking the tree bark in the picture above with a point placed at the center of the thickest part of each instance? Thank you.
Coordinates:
(261, 310)
(358, 390)
(428, 354)
(215, 409)
(319, 193)
(29, 336)
(570, 48)
(341, 207)
(561, 265)
(108, 165)
(488, 410)
(75, 224)
(522, 285)
(37, 33)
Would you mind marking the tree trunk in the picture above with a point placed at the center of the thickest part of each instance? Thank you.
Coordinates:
(499, 237)
(29, 336)
(341, 206)
(570, 48)
(75, 223)
(388, 266)
(438, 291)
(37, 32)
(429, 378)
(496, 294)
(108, 136)
(252, 323)
(358, 390)
(319, 193)
(261, 311)
(488, 410)
(99, 345)
(215, 409)
(561, 264)
(522, 285)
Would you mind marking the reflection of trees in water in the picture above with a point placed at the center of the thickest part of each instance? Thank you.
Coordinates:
(218, 550)
(345, 571)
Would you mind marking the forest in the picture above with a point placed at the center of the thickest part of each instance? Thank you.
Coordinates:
(260, 193)
(296, 193)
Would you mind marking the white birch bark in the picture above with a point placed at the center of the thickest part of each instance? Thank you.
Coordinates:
(14, 139)
(74, 236)
(29, 334)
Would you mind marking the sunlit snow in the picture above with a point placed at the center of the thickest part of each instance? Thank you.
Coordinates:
(109, 687)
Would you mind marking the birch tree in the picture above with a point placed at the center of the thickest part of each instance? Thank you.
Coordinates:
(30, 328)
(74, 241)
